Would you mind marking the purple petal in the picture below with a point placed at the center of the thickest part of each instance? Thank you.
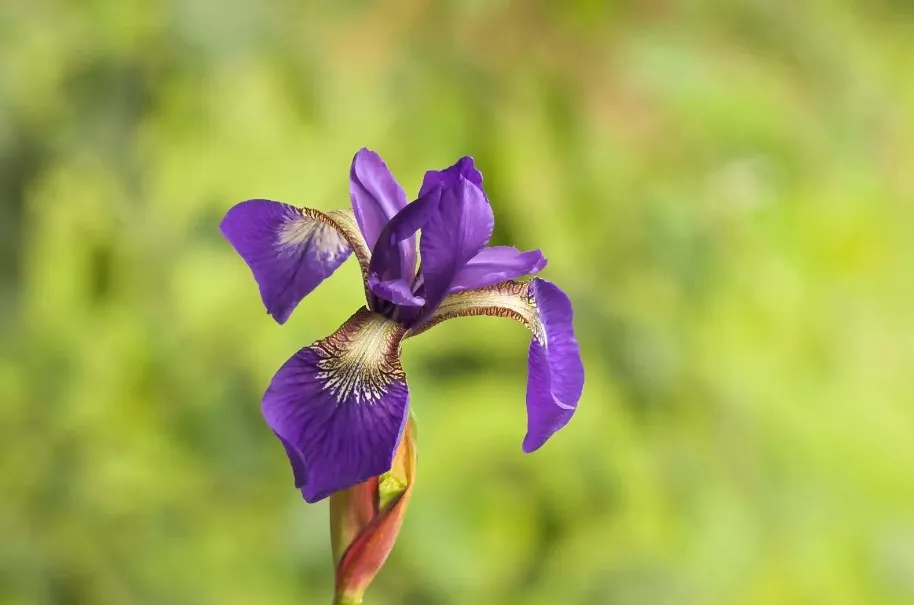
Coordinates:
(340, 405)
(555, 371)
(497, 264)
(397, 291)
(299, 473)
(377, 198)
(452, 236)
(449, 176)
(386, 258)
(288, 252)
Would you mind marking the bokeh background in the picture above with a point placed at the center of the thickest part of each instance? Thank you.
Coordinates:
(723, 188)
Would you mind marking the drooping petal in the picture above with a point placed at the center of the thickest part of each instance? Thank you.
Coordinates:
(555, 377)
(377, 198)
(452, 236)
(497, 264)
(556, 372)
(342, 404)
(299, 472)
(444, 178)
(291, 250)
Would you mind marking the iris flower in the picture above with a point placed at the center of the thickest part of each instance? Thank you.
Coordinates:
(340, 405)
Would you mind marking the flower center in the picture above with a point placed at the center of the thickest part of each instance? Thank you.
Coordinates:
(361, 359)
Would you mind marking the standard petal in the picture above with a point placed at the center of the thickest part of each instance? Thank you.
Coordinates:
(555, 372)
(377, 198)
(463, 168)
(342, 404)
(387, 261)
(452, 236)
(497, 264)
(289, 250)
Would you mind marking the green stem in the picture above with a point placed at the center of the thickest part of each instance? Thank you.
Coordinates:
(342, 599)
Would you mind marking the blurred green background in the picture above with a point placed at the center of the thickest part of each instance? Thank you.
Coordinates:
(723, 188)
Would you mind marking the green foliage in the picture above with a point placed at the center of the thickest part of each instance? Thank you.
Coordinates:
(724, 189)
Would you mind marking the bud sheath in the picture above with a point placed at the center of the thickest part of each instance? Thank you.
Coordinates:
(365, 520)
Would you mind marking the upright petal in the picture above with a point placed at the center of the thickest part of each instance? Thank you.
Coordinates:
(387, 261)
(341, 404)
(377, 198)
(444, 178)
(290, 250)
(555, 376)
(497, 264)
(452, 236)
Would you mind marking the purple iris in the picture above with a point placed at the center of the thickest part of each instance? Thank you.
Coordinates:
(339, 406)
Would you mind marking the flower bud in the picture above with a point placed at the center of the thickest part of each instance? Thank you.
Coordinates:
(365, 520)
